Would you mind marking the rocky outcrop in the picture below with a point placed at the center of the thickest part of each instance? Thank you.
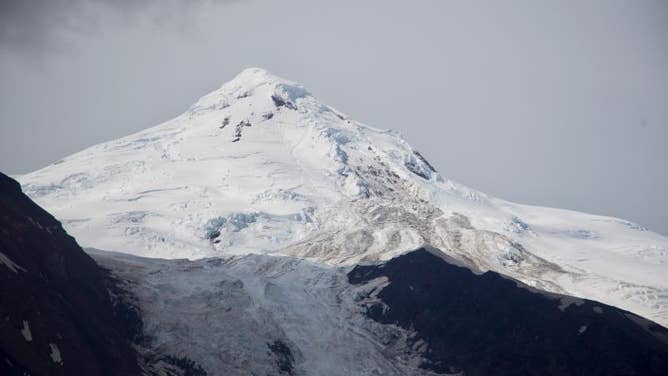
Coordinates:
(486, 324)
(57, 316)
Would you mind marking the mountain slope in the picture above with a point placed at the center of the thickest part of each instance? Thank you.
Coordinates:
(57, 315)
(261, 166)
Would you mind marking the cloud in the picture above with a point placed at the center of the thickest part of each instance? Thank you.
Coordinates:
(40, 26)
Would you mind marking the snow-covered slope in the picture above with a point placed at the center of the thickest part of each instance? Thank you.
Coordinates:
(261, 166)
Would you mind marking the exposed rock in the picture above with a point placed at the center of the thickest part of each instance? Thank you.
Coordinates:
(58, 315)
(486, 324)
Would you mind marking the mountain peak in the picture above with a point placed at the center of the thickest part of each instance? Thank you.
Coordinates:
(250, 79)
(255, 76)
(252, 82)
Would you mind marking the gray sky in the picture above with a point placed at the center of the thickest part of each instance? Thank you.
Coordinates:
(560, 104)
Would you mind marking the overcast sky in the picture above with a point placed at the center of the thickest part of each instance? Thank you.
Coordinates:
(551, 103)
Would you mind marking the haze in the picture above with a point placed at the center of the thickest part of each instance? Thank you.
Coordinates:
(560, 104)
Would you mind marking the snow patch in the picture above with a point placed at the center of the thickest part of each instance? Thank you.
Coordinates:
(25, 331)
(6, 261)
(567, 301)
(55, 353)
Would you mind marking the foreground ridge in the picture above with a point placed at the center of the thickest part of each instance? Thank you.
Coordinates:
(58, 315)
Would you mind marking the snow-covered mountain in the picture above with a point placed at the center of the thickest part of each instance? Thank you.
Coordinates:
(260, 166)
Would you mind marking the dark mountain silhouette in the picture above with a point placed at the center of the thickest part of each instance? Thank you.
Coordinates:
(57, 316)
(490, 325)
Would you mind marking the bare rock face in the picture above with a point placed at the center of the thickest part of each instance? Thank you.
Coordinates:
(487, 324)
(57, 316)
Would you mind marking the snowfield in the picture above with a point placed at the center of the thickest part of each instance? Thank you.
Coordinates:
(260, 166)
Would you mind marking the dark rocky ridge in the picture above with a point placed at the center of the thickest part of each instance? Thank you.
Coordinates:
(490, 325)
(57, 315)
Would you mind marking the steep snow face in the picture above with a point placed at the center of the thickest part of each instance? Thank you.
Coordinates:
(261, 166)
